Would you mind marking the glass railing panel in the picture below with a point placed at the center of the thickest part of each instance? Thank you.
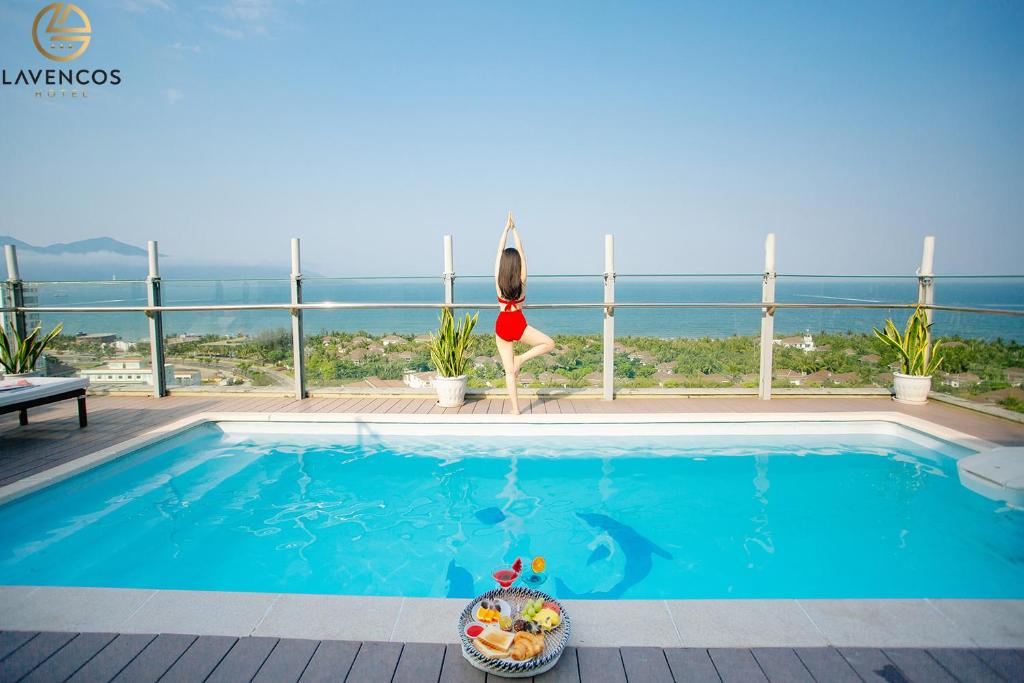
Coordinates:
(983, 354)
(228, 351)
(89, 340)
(225, 292)
(576, 361)
(828, 348)
(388, 349)
(687, 348)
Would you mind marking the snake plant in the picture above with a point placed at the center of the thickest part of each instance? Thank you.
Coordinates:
(448, 348)
(912, 345)
(20, 355)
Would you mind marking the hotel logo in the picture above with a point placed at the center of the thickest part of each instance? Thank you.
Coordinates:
(67, 33)
(61, 32)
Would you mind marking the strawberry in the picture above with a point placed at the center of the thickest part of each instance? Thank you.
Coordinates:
(517, 566)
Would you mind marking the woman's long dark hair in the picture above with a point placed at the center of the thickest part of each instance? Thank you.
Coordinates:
(510, 279)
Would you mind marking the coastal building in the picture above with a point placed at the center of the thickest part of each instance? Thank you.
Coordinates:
(138, 371)
(392, 339)
(959, 380)
(30, 295)
(96, 338)
(804, 342)
(417, 380)
(794, 377)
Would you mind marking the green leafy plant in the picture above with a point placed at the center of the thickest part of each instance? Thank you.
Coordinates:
(912, 345)
(448, 349)
(19, 355)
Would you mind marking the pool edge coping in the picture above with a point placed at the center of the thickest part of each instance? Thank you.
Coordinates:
(54, 475)
(886, 622)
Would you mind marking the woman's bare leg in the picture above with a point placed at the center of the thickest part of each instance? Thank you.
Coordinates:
(507, 351)
(540, 343)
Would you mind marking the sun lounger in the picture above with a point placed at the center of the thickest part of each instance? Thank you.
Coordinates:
(40, 391)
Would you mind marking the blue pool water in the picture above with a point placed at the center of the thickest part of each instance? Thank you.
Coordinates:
(841, 516)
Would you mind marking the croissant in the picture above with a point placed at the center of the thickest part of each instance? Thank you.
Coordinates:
(526, 646)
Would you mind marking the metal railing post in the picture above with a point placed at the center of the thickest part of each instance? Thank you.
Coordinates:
(449, 271)
(298, 341)
(16, 288)
(764, 385)
(156, 323)
(926, 286)
(608, 365)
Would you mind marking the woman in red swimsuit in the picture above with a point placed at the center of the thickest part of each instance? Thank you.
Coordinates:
(510, 283)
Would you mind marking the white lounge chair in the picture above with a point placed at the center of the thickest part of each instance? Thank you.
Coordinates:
(42, 390)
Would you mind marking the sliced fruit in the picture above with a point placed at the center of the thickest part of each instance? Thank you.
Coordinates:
(553, 606)
(538, 564)
(517, 566)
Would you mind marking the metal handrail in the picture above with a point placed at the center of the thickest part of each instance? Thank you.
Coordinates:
(343, 305)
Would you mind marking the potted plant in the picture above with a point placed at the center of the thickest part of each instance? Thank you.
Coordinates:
(448, 356)
(917, 365)
(18, 356)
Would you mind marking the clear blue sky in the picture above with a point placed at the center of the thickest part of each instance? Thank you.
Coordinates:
(688, 130)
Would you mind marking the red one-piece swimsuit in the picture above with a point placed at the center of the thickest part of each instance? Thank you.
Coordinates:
(511, 323)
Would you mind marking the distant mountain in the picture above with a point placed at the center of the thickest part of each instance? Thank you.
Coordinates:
(89, 246)
(104, 258)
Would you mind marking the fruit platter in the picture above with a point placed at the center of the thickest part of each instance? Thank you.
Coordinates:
(514, 632)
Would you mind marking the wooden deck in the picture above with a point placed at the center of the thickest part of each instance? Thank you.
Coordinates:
(52, 436)
(130, 658)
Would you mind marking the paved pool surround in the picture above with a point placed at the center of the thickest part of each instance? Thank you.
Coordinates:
(663, 623)
(613, 623)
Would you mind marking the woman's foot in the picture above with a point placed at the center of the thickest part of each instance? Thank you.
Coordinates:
(515, 411)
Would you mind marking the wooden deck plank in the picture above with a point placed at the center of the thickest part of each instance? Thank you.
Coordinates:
(69, 658)
(601, 665)
(825, 664)
(692, 665)
(287, 662)
(918, 665)
(1007, 663)
(12, 640)
(154, 661)
(243, 660)
(199, 660)
(871, 664)
(375, 663)
(736, 664)
(419, 662)
(781, 664)
(331, 662)
(456, 669)
(113, 658)
(566, 671)
(645, 664)
(30, 655)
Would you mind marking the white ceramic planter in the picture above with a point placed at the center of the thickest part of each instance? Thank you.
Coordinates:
(912, 389)
(451, 391)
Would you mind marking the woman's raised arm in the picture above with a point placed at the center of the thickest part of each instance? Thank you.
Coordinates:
(519, 248)
(501, 248)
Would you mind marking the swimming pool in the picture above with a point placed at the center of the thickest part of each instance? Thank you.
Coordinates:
(842, 511)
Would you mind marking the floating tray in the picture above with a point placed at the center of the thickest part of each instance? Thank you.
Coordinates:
(554, 640)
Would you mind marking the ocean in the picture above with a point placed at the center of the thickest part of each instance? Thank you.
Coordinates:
(995, 292)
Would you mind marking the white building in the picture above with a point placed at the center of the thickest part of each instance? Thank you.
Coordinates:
(417, 380)
(138, 371)
(805, 342)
